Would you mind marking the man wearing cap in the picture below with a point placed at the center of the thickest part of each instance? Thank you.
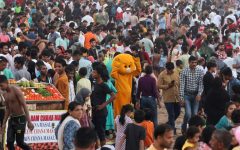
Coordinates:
(127, 16)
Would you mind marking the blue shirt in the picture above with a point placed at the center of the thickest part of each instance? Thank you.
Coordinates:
(162, 23)
(62, 42)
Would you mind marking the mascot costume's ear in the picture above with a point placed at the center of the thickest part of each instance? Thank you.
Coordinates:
(124, 68)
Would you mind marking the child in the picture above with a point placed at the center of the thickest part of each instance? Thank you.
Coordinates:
(70, 71)
(201, 64)
(50, 75)
(196, 121)
(193, 135)
(83, 82)
(185, 56)
(76, 64)
(121, 123)
(225, 122)
(98, 100)
(134, 133)
(62, 80)
(148, 125)
(179, 67)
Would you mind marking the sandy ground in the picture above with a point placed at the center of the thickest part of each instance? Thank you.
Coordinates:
(163, 118)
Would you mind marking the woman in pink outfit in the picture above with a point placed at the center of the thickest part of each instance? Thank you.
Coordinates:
(121, 123)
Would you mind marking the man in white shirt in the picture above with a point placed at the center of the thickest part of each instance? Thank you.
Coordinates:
(134, 20)
(216, 20)
(212, 14)
(88, 18)
(162, 8)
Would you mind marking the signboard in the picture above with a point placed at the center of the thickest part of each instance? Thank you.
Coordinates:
(43, 135)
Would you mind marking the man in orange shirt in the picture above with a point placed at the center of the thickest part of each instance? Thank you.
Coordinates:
(62, 80)
(88, 36)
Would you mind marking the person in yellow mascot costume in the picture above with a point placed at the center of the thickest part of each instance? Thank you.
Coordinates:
(124, 68)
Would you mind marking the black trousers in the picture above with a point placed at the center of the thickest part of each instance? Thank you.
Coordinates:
(16, 130)
(100, 126)
(2, 112)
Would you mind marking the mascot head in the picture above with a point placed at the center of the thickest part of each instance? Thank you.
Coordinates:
(124, 63)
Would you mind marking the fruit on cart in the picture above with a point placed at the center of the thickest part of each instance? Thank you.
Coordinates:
(24, 84)
(42, 146)
(39, 85)
(48, 93)
(12, 81)
(30, 84)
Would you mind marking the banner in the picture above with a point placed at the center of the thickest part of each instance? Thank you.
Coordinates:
(43, 135)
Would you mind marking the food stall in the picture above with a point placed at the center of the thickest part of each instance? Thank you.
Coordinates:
(45, 104)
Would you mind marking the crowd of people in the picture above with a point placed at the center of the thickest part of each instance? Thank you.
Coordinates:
(190, 59)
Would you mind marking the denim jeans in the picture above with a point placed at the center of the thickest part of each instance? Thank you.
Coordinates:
(173, 110)
(191, 109)
(150, 102)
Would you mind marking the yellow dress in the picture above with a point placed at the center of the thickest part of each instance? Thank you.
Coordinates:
(187, 144)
